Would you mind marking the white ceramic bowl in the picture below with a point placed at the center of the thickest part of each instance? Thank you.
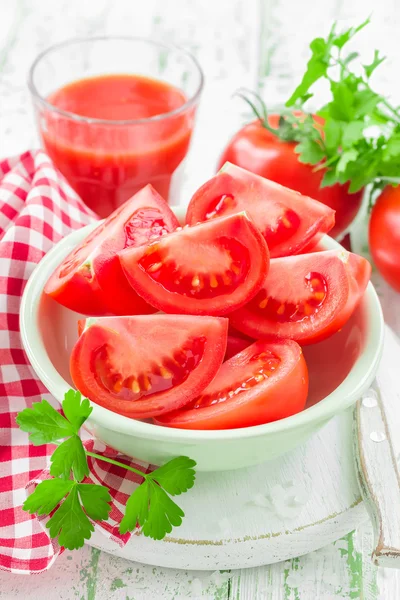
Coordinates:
(49, 332)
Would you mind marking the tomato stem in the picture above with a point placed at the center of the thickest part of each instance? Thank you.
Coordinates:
(115, 462)
(243, 93)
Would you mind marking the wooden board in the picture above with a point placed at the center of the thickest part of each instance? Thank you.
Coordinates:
(284, 508)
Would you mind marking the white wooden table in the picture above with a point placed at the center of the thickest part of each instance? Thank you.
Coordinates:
(252, 43)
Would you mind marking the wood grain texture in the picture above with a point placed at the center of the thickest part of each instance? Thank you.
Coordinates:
(236, 41)
(379, 477)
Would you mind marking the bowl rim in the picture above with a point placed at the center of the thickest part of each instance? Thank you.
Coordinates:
(362, 372)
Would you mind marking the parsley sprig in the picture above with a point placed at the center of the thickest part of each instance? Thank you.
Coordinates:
(358, 137)
(73, 503)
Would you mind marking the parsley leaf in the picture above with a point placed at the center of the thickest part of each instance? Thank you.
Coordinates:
(346, 36)
(345, 158)
(176, 476)
(377, 60)
(70, 456)
(151, 507)
(309, 151)
(47, 495)
(316, 68)
(345, 151)
(154, 511)
(44, 423)
(73, 503)
(75, 409)
(69, 523)
(95, 499)
(352, 133)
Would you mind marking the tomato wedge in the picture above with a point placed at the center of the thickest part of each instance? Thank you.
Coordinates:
(265, 382)
(306, 298)
(288, 221)
(211, 268)
(90, 279)
(235, 344)
(144, 366)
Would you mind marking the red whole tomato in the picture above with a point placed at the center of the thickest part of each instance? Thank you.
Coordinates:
(265, 382)
(288, 221)
(384, 235)
(211, 268)
(144, 366)
(90, 279)
(306, 298)
(260, 151)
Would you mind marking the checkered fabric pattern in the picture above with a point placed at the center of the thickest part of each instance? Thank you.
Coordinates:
(37, 209)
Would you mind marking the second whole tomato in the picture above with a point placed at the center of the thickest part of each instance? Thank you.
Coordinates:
(256, 149)
(384, 235)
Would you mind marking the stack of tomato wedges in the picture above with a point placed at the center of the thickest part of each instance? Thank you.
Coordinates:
(240, 289)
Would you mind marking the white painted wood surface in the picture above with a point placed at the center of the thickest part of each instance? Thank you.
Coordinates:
(378, 473)
(237, 42)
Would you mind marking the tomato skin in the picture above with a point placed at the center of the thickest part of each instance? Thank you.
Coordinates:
(82, 293)
(346, 276)
(235, 344)
(90, 279)
(103, 362)
(384, 235)
(283, 394)
(288, 221)
(199, 251)
(256, 149)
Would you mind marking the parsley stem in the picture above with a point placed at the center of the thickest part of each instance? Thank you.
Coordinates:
(115, 462)
(389, 179)
(385, 102)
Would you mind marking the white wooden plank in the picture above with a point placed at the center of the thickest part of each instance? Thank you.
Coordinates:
(93, 575)
(379, 477)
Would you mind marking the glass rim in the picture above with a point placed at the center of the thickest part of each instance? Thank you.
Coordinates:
(82, 119)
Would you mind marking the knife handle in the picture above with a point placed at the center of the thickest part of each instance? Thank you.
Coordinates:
(378, 477)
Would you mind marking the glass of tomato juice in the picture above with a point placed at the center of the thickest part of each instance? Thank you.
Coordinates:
(116, 113)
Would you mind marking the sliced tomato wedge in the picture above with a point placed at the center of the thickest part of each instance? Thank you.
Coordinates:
(306, 298)
(288, 221)
(90, 279)
(265, 382)
(235, 344)
(211, 268)
(144, 366)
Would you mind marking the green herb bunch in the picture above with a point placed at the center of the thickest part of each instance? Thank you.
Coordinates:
(72, 503)
(355, 137)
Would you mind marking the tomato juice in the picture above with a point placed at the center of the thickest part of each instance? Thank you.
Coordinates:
(112, 134)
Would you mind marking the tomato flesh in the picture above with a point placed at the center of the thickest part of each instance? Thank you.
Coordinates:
(384, 235)
(90, 279)
(265, 382)
(306, 298)
(288, 221)
(257, 149)
(210, 268)
(143, 366)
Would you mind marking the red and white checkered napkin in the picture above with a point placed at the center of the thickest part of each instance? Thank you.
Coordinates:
(37, 209)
